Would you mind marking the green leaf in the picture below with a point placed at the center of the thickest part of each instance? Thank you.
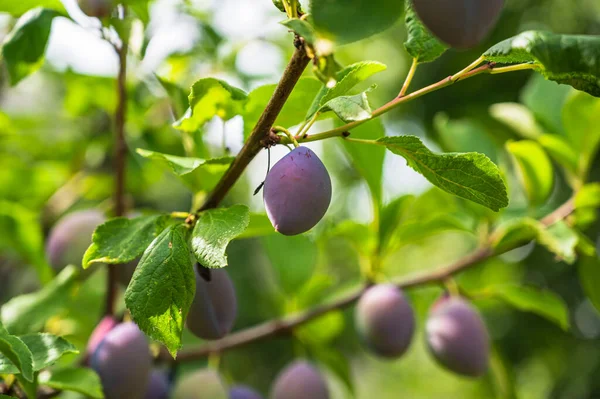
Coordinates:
(581, 114)
(323, 330)
(76, 379)
(29, 387)
(302, 29)
(121, 240)
(213, 232)
(345, 80)
(420, 43)
(362, 238)
(29, 312)
(15, 356)
(561, 151)
(567, 59)
(2, 396)
(588, 196)
(346, 21)
(23, 48)
(293, 111)
(535, 168)
(18, 8)
(469, 175)
(162, 288)
(413, 231)
(47, 349)
(337, 363)
(543, 303)
(350, 108)
(589, 277)
(293, 259)
(177, 95)
(211, 97)
(259, 226)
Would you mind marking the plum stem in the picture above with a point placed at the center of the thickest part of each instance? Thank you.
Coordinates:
(289, 135)
(409, 77)
(469, 68)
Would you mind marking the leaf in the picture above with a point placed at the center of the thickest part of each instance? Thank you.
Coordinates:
(535, 168)
(323, 330)
(47, 349)
(211, 97)
(302, 28)
(518, 117)
(413, 231)
(162, 288)
(588, 196)
(18, 8)
(581, 114)
(213, 232)
(468, 175)
(177, 95)
(15, 356)
(566, 59)
(362, 238)
(29, 312)
(337, 363)
(76, 379)
(23, 48)
(345, 80)
(259, 226)
(420, 44)
(121, 240)
(346, 21)
(560, 150)
(543, 303)
(589, 277)
(350, 108)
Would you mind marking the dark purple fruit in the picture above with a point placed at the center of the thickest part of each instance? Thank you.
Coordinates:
(96, 8)
(297, 192)
(243, 392)
(385, 320)
(71, 236)
(106, 324)
(459, 23)
(214, 308)
(457, 337)
(158, 386)
(299, 380)
(123, 362)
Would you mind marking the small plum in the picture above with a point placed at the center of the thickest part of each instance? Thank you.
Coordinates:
(158, 385)
(214, 308)
(457, 337)
(297, 192)
(96, 8)
(243, 392)
(202, 384)
(385, 320)
(106, 324)
(299, 380)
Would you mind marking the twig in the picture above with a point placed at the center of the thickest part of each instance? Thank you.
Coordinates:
(409, 77)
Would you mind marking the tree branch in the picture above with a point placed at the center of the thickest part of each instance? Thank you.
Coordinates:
(286, 325)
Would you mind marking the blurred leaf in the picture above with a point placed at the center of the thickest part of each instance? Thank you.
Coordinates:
(121, 240)
(47, 348)
(162, 288)
(211, 97)
(518, 118)
(258, 226)
(313, 292)
(23, 48)
(581, 116)
(560, 150)
(18, 8)
(29, 312)
(279, 5)
(214, 230)
(567, 59)
(15, 356)
(361, 236)
(535, 168)
(545, 99)
(140, 8)
(470, 175)
(391, 217)
(345, 80)
(337, 363)
(177, 95)
(464, 135)
(322, 330)
(350, 108)
(543, 303)
(293, 259)
(589, 278)
(588, 196)
(413, 231)
(346, 21)
(76, 379)
(420, 43)
(302, 29)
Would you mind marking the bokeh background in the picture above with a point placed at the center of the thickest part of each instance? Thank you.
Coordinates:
(56, 136)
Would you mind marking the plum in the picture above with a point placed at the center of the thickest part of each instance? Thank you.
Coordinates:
(214, 308)
(459, 23)
(299, 380)
(158, 386)
(71, 236)
(385, 320)
(106, 324)
(202, 384)
(243, 392)
(457, 337)
(96, 8)
(297, 192)
(123, 362)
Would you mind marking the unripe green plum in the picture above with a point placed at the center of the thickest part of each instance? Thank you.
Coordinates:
(123, 362)
(71, 236)
(459, 23)
(385, 320)
(96, 8)
(203, 384)
(158, 386)
(214, 308)
(243, 392)
(297, 192)
(457, 337)
(300, 380)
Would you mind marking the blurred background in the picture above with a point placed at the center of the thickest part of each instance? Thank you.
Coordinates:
(56, 135)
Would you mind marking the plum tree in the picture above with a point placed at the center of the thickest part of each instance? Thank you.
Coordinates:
(96, 8)
(202, 384)
(123, 362)
(71, 236)
(158, 385)
(214, 308)
(457, 337)
(243, 392)
(299, 380)
(460, 23)
(297, 192)
(385, 320)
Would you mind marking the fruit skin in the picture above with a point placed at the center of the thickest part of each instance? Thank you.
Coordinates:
(214, 309)
(457, 337)
(297, 192)
(299, 380)
(459, 23)
(158, 386)
(71, 236)
(203, 384)
(96, 8)
(123, 362)
(385, 320)
(243, 392)
(106, 324)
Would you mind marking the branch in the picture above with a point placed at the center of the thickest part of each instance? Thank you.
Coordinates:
(286, 325)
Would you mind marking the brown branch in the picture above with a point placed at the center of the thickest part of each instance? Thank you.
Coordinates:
(286, 325)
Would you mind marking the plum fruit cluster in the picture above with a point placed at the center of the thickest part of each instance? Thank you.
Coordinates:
(455, 333)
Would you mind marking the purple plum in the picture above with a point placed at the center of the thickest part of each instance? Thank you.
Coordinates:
(299, 380)
(243, 392)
